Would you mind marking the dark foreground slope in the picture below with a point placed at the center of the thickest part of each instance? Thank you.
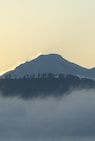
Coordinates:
(42, 87)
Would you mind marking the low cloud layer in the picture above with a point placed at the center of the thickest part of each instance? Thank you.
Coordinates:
(48, 119)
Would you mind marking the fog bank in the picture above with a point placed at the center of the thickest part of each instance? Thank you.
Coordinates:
(48, 119)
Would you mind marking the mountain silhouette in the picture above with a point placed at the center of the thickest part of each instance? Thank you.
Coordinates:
(51, 63)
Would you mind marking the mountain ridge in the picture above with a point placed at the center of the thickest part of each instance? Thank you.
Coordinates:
(53, 63)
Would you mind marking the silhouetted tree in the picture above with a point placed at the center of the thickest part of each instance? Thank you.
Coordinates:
(51, 75)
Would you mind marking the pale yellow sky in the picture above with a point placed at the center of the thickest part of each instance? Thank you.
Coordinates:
(32, 27)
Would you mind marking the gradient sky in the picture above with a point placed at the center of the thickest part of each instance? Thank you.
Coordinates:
(29, 28)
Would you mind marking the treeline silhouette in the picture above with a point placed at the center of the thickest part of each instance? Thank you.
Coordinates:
(43, 85)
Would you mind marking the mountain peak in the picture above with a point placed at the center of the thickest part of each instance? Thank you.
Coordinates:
(50, 56)
(53, 63)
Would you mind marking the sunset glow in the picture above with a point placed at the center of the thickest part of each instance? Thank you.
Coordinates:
(32, 27)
